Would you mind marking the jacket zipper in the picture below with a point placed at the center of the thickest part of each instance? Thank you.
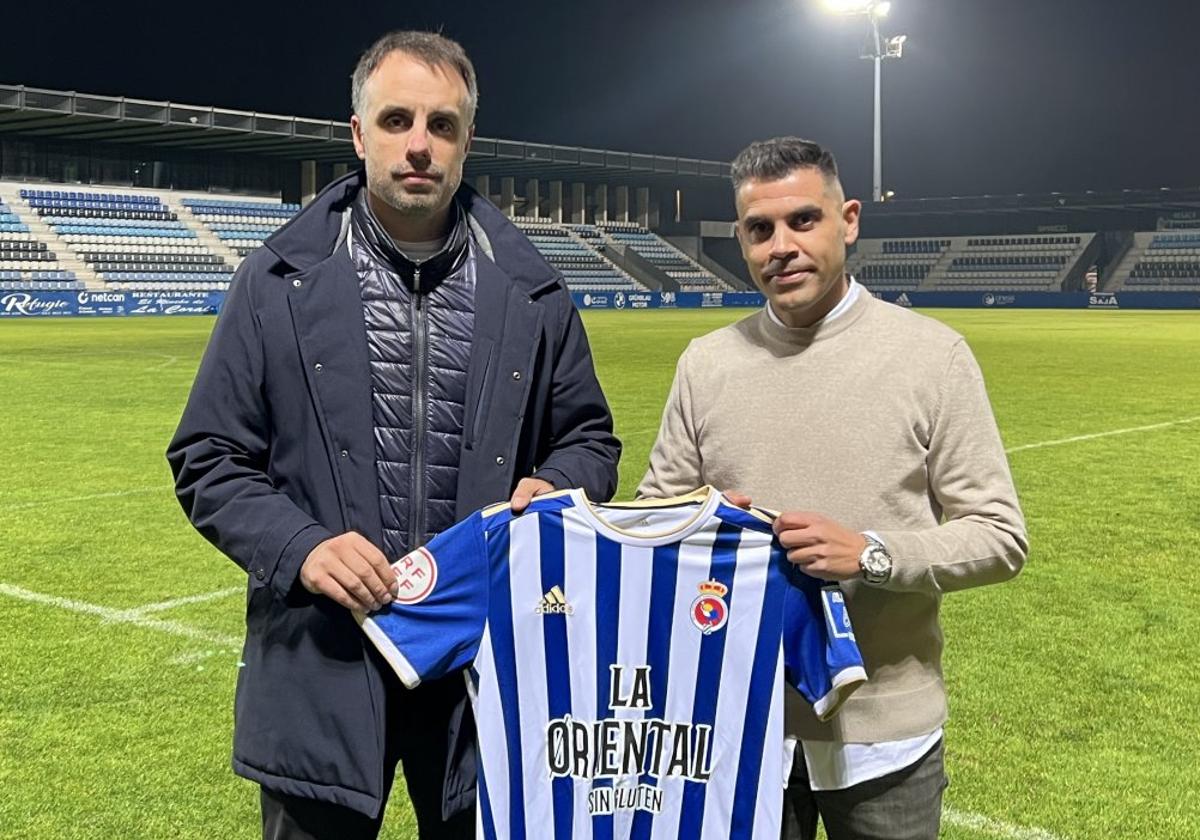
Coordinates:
(420, 329)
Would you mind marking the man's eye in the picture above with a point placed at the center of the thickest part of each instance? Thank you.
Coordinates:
(442, 127)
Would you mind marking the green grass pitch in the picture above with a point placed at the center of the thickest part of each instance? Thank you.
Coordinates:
(1075, 697)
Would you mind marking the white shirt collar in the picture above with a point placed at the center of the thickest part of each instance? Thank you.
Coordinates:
(420, 251)
(845, 303)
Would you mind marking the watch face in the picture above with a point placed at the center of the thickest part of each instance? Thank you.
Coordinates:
(876, 565)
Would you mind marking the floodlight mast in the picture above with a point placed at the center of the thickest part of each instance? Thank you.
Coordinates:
(879, 48)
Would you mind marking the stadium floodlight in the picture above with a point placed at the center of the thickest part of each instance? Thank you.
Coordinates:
(849, 7)
(878, 48)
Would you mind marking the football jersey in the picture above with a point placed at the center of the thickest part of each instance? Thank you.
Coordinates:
(626, 663)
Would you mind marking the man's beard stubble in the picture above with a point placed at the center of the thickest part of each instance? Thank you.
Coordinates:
(413, 205)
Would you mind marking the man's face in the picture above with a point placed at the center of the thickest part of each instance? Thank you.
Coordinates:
(794, 233)
(413, 135)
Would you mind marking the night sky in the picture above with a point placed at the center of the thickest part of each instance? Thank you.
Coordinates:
(992, 96)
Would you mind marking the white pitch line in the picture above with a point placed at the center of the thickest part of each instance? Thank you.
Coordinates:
(193, 657)
(996, 828)
(170, 360)
(119, 616)
(91, 497)
(67, 358)
(1152, 427)
(187, 599)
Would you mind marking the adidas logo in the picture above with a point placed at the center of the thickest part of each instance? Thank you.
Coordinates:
(554, 603)
(903, 300)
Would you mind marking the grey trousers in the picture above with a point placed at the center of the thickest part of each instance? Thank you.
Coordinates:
(905, 805)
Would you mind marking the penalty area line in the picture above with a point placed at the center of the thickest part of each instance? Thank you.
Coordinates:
(109, 615)
(994, 827)
(1060, 441)
(137, 612)
(90, 497)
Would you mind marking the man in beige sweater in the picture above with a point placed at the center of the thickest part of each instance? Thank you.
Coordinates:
(870, 426)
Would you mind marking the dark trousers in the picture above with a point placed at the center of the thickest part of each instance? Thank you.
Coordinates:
(905, 805)
(416, 739)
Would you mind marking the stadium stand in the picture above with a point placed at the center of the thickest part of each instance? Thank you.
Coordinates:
(690, 276)
(130, 241)
(893, 276)
(588, 233)
(918, 247)
(240, 225)
(1008, 263)
(567, 248)
(173, 242)
(1179, 224)
(27, 263)
(897, 264)
(1170, 262)
(994, 263)
(98, 237)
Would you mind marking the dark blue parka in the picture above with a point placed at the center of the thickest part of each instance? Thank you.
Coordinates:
(275, 453)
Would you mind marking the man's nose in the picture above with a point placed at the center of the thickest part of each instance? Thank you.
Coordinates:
(418, 143)
(782, 246)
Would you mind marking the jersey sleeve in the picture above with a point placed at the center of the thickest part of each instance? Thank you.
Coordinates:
(820, 655)
(435, 624)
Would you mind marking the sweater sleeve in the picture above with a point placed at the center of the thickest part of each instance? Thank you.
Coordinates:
(675, 464)
(982, 537)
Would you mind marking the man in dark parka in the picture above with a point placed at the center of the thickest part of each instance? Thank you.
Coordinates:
(395, 357)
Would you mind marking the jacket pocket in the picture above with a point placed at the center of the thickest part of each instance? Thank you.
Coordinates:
(478, 401)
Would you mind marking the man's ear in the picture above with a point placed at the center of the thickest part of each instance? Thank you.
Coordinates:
(356, 128)
(851, 211)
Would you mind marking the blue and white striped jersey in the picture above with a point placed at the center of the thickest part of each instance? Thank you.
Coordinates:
(626, 662)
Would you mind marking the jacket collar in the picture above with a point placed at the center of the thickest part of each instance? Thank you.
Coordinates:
(424, 276)
(313, 234)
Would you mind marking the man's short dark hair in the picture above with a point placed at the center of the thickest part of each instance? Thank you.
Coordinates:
(770, 160)
(430, 48)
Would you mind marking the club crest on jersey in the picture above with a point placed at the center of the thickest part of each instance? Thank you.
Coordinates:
(416, 575)
(709, 610)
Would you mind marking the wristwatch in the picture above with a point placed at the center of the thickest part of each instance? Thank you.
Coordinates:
(875, 562)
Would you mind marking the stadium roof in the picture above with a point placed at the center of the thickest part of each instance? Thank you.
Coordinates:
(54, 114)
(1160, 200)
(1043, 212)
(68, 115)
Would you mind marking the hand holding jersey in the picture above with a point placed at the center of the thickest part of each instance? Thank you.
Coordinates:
(354, 573)
(351, 571)
(527, 490)
(819, 546)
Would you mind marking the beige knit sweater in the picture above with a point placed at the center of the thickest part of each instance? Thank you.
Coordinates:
(879, 420)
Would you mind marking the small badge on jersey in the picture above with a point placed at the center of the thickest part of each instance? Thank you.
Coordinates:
(709, 611)
(416, 575)
(834, 601)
